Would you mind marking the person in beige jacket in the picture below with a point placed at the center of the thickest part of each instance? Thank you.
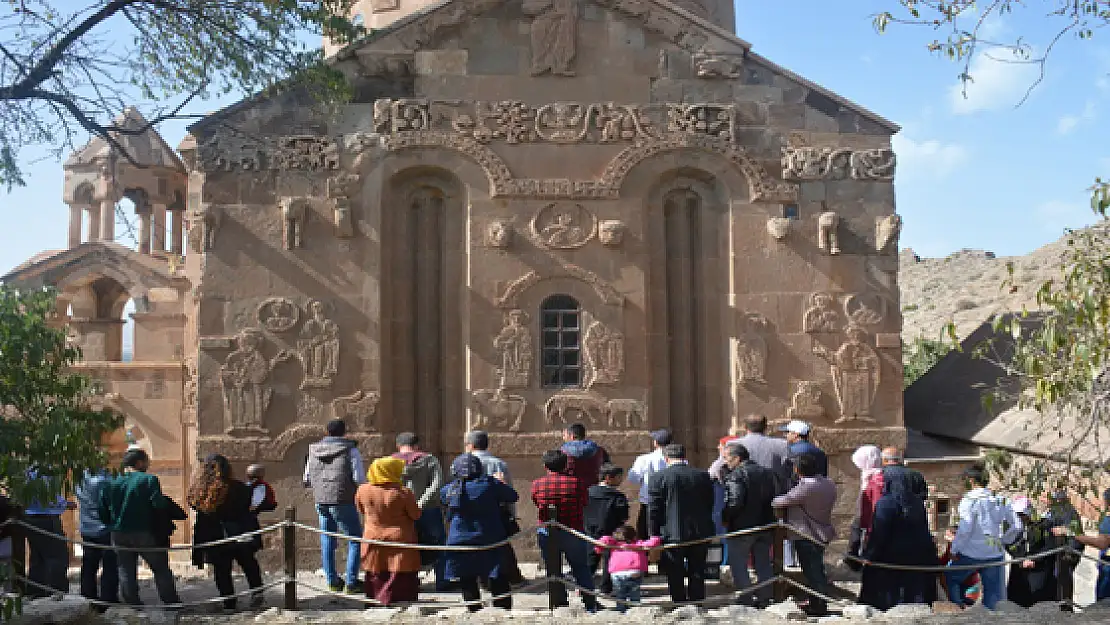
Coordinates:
(389, 513)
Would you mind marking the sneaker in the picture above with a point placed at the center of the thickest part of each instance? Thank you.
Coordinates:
(336, 587)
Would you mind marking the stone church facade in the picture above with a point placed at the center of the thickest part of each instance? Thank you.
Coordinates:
(530, 214)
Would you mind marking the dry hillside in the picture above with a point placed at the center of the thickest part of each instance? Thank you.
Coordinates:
(966, 287)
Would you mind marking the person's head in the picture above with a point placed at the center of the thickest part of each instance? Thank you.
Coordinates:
(611, 474)
(892, 457)
(755, 424)
(722, 443)
(736, 454)
(210, 487)
(674, 453)
(574, 432)
(407, 441)
(467, 467)
(796, 431)
(384, 471)
(662, 437)
(555, 460)
(868, 457)
(625, 533)
(977, 477)
(136, 460)
(256, 472)
(337, 428)
(806, 465)
(1022, 507)
(477, 440)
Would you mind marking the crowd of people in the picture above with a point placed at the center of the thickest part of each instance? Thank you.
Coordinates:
(408, 499)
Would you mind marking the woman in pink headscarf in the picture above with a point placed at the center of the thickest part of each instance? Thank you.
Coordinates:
(869, 460)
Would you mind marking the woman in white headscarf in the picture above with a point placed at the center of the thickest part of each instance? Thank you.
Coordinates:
(869, 460)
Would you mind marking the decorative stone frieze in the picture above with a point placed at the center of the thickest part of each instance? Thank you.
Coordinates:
(810, 163)
(610, 232)
(278, 314)
(554, 35)
(509, 297)
(566, 407)
(562, 226)
(514, 344)
(626, 414)
(751, 350)
(821, 314)
(318, 348)
(855, 370)
(359, 410)
(294, 212)
(245, 378)
(227, 152)
(499, 234)
(779, 227)
(496, 410)
(864, 309)
(604, 351)
(718, 65)
(805, 404)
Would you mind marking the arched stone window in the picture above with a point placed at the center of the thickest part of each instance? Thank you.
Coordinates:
(561, 345)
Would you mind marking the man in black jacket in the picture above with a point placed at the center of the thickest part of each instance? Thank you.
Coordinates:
(681, 510)
(749, 489)
(606, 510)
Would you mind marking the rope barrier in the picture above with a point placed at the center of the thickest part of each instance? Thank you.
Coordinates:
(396, 545)
(162, 606)
(178, 547)
(680, 545)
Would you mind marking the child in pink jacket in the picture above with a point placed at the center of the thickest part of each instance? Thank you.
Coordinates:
(628, 562)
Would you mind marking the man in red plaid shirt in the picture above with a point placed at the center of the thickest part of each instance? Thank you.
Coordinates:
(566, 494)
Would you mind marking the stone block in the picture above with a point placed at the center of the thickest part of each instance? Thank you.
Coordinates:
(787, 116)
(750, 113)
(678, 64)
(666, 90)
(818, 121)
(67, 610)
(766, 94)
(432, 62)
(494, 61)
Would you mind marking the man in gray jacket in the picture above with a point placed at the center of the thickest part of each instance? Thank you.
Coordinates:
(333, 471)
(424, 477)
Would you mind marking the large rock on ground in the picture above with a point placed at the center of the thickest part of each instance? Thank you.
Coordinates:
(64, 611)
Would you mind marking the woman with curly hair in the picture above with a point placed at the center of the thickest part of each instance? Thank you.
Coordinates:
(223, 511)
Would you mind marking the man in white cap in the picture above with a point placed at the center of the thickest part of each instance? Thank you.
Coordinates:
(797, 436)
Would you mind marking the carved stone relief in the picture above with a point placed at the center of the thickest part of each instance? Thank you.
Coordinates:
(278, 314)
(208, 218)
(341, 189)
(828, 239)
(821, 314)
(359, 410)
(809, 163)
(855, 371)
(247, 393)
(806, 402)
(887, 230)
(610, 232)
(226, 152)
(499, 234)
(294, 212)
(514, 344)
(561, 226)
(626, 414)
(865, 309)
(779, 227)
(751, 350)
(554, 35)
(609, 295)
(318, 348)
(392, 116)
(604, 349)
(585, 406)
(718, 65)
(497, 410)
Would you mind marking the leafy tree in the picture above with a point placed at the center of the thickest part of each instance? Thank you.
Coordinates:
(920, 356)
(67, 72)
(46, 424)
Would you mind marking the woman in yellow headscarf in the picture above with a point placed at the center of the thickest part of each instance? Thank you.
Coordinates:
(389, 513)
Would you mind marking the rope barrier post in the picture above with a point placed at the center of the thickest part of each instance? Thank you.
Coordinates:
(778, 556)
(289, 550)
(556, 594)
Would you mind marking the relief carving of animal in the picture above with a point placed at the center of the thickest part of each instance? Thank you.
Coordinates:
(591, 407)
(628, 410)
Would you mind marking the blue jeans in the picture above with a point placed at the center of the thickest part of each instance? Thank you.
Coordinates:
(430, 528)
(811, 557)
(993, 579)
(626, 588)
(574, 550)
(340, 518)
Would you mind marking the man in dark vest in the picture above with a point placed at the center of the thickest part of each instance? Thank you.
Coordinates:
(333, 471)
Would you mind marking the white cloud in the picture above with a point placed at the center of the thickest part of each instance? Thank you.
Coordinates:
(999, 79)
(1068, 123)
(927, 159)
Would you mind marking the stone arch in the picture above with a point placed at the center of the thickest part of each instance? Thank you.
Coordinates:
(84, 194)
(757, 185)
(510, 297)
(277, 449)
(496, 171)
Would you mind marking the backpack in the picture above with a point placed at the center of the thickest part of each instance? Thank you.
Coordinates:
(269, 502)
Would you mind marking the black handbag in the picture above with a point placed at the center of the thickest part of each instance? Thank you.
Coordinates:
(512, 526)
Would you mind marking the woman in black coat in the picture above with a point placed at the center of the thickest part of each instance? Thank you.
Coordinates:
(223, 506)
(899, 535)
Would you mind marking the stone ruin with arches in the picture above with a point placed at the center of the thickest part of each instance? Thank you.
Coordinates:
(531, 213)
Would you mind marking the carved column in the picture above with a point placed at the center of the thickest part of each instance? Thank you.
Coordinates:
(177, 222)
(94, 222)
(107, 221)
(158, 228)
(76, 212)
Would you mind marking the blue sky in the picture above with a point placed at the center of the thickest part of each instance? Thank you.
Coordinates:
(974, 172)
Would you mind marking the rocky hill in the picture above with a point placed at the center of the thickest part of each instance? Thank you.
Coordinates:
(966, 287)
